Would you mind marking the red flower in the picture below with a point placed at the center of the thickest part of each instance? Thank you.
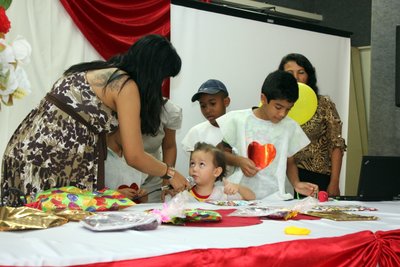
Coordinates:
(4, 22)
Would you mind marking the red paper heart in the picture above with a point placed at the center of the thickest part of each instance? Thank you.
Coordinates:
(134, 186)
(261, 155)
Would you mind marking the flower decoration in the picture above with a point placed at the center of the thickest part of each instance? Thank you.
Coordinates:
(14, 82)
(4, 22)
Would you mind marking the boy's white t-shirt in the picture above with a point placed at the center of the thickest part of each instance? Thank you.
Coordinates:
(207, 133)
(118, 172)
(240, 128)
(202, 132)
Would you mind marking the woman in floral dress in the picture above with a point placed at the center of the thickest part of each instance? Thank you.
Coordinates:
(62, 141)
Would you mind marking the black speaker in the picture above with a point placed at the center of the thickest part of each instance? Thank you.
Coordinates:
(397, 66)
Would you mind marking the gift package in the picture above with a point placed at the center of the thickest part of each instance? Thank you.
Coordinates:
(73, 198)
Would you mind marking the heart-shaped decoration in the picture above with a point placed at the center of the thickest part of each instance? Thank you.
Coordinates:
(261, 155)
(134, 186)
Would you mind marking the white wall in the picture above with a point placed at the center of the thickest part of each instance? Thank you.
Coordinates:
(241, 52)
(56, 44)
(365, 54)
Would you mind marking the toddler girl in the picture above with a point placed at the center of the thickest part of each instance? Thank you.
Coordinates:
(207, 165)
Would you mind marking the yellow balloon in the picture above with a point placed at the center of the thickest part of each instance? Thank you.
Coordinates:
(305, 106)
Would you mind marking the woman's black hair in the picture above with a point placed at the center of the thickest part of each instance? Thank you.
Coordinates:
(302, 61)
(149, 61)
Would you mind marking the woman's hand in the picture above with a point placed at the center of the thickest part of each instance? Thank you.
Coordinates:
(333, 190)
(179, 182)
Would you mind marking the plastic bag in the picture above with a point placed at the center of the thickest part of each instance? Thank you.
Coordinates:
(274, 213)
(112, 221)
(232, 202)
(305, 204)
(174, 209)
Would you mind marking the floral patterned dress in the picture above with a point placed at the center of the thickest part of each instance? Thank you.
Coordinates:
(52, 149)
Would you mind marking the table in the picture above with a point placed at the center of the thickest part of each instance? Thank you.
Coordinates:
(356, 243)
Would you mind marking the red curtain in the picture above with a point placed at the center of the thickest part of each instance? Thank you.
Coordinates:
(364, 248)
(112, 26)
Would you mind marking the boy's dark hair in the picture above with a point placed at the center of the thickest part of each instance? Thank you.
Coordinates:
(302, 61)
(280, 85)
(219, 156)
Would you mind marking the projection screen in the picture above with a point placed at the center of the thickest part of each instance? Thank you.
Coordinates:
(241, 52)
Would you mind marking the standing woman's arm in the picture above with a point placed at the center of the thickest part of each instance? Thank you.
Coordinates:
(336, 161)
(337, 142)
(171, 117)
(127, 105)
(169, 150)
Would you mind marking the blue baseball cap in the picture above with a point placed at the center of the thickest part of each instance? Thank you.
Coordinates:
(210, 87)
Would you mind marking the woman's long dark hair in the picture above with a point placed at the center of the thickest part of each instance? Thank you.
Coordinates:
(149, 61)
(302, 61)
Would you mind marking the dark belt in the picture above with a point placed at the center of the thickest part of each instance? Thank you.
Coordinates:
(101, 146)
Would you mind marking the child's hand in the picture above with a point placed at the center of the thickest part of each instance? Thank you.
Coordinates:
(230, 188)
(127, 192)
(169, 192)
(132, 193)
(165, 193)
(307, 189)
(142, 193)
(248, 167)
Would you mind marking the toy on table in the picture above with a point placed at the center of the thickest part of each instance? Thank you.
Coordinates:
(73, 198)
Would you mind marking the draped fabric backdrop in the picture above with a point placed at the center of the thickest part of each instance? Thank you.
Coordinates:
(112, 26)
(363, 248)
(57, 43)
(50, 27)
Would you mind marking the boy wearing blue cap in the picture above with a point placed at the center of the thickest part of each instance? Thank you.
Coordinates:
(213, 98)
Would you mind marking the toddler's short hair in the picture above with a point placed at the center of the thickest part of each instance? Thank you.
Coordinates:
(219, 156)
